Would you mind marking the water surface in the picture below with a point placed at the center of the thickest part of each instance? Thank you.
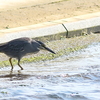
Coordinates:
(70, 77)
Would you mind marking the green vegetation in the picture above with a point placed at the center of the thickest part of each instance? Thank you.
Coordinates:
(3, 92)
(43, 57)
(61, 47)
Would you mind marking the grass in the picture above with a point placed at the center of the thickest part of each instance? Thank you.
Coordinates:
(61, 47)
(43, 57)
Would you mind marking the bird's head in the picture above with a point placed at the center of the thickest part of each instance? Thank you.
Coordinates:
(43, 46)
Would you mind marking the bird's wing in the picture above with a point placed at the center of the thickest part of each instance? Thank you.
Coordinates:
(15, 46)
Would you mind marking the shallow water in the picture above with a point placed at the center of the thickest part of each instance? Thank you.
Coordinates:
(70, 77)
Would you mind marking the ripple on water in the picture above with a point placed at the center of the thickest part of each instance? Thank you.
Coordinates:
(72, 77)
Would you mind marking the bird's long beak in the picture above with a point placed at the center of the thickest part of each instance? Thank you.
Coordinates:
(49, 50)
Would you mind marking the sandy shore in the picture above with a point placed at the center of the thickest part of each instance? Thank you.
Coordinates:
(28, 12)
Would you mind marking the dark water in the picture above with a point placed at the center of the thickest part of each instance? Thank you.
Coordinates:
(70, 77)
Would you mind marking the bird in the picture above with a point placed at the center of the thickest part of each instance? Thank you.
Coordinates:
(20, 47)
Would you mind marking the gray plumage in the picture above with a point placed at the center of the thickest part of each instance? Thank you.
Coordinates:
(20, 47)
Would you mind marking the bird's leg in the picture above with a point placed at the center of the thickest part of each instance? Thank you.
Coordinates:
(19, 65)
(11, 63)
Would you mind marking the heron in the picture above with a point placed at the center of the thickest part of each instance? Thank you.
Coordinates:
(21, 47)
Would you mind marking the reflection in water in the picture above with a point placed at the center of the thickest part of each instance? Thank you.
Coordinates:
(13, 77)
(72, 77)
